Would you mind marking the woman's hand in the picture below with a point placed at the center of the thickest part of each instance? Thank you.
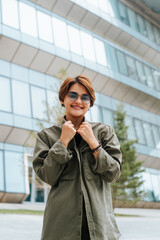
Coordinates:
(85, 130)
(68, 132)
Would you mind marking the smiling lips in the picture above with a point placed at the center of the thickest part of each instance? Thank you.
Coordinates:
(76, 107)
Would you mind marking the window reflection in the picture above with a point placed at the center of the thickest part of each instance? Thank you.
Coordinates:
(140, 71)
(44, 26)
(10, 13)
(60, 33)
(156, 135)
(112, 59)
(5, 94)
(156, 76)
(149, 77)
(21, 98)
(1, 172)
(74, 40)
(107, 116)
(28, 21)
(132, 19)
(87, 46)
(14, 172)
(156, 34)
(100, 52)
(53, 102)
(121, 63)
(139, 131)
(149, 196)
(156, 186)
(132, 73)
(39, 108)
(96, 113)
(148, 134)
(131, 129)
(123, 13)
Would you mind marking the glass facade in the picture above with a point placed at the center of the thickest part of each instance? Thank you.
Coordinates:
(75, 39)
(25, 92)
(20, 98)
(126, 15)
(151, 186)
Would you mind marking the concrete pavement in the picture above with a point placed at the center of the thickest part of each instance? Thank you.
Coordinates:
(28, 227)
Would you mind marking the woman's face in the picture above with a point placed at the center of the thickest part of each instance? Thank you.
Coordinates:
(76, 108)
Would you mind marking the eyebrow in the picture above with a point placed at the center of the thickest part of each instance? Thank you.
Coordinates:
(79, 94)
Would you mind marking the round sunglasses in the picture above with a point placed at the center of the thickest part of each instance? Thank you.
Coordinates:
(85, 98)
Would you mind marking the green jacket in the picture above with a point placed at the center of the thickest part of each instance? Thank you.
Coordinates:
(73, 173)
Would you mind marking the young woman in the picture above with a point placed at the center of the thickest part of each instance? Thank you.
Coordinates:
(78, 159)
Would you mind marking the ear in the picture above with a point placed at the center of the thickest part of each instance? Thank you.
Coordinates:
(62, 104)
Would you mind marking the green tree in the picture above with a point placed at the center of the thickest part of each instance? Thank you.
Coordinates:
(127, 190)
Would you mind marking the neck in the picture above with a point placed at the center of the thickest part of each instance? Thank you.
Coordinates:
(75, 121)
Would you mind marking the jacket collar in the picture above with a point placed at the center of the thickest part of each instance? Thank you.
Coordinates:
(72, 144)
(64, 120)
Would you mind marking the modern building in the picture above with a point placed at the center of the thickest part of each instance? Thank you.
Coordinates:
(114, 42)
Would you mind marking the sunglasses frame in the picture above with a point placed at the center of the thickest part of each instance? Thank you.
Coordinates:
(77, 95)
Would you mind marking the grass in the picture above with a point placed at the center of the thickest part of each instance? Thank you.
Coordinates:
(38, 212)
(21, 211)
(125, 215)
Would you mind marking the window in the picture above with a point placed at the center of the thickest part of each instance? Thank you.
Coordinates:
(148, 134)
(131, 129)
(132, 19)
(10, 13)
(21, 98)
(1, 172)
(123, 13)
(104, 6)
(14, 172)
(87, 46)
(114, 8)
(107, 116)
(39, 103)
(131, 67)
(88, 116)
(28, 19)
(149, 76)
(149, 27)
(100, 52)
(60, 33)
(156, 135)
(122, 63)
(156, 186)
(74, 40)
(44, 27)
(111, 56)
(156, 76)
(96, 113)
(156, 34)
(93, 2)
(141, 73)
(5, 94)
(139, 131)
(148, 187)
(141, 25)
(53, 102)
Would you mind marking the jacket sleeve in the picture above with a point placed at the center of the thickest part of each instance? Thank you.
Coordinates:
(108, 162)
(49, 163)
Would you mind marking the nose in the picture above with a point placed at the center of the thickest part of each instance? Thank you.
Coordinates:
(78, 100)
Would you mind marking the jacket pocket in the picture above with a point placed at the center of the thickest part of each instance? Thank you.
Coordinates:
(88, 163)
(69, 172)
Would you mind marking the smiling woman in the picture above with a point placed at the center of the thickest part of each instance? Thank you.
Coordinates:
(78, 159)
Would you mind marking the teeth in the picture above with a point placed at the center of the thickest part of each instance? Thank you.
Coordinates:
(76, 107)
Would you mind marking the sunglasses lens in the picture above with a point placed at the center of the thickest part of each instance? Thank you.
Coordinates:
(85, 98)
(72, 96)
